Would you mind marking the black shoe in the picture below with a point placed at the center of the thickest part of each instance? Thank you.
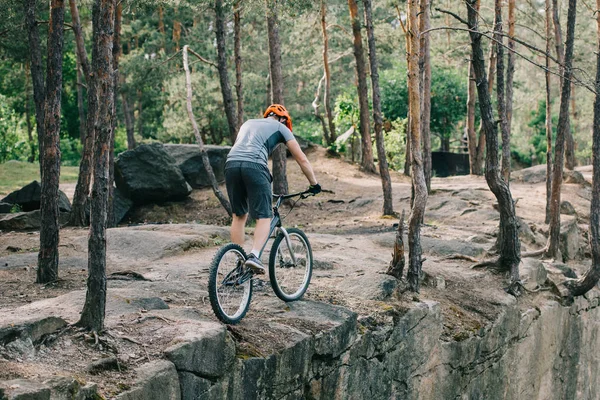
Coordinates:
(255, 264)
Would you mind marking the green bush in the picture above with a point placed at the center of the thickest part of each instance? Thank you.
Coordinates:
(395, 144)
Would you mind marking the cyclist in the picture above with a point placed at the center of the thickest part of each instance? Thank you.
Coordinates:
(248, 179)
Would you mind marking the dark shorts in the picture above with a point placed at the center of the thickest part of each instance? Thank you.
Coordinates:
(249, 186)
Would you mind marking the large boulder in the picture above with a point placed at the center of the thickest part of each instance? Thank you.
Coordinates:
(189, 161)
(148, 174)
(28, 198)
(121, 206)
(23, 221)
(569, 239)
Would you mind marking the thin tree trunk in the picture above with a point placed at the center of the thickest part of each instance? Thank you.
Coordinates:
(37, 73)
(205, 160)
(560, 53)
(237, 53)
(79, 216)
(161, 26)
(481, 146)
(28, 114)
(563, 126)
(509, 245)
(315, 106)
(384, 171)
(425, 79)
(129, 122)
(280, 184)
(327, 95)
(591, 277)
(176, 33)
(93, 313)
(500, 92)
(140, 119)
(407, 155)
(418, 177)
(366, 163)
(80, 107)
(49, 231)
(222, 67)
(116, 53)
(548, 114)
(471, 135)
(510, 64)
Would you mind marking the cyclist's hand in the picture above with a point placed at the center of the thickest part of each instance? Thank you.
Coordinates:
(314, 189)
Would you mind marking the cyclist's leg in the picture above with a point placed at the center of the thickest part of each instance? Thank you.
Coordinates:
(238, 223)
(258, 186)
(238, 196)
(261, 234)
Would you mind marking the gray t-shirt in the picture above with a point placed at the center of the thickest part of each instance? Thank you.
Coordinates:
(257, 139)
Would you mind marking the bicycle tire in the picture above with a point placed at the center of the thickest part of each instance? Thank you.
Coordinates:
(280, 270)
(218, 274)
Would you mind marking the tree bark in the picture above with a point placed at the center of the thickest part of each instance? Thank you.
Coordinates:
(116, 53)
(418, 176)
(280, 184)
(384, 171)
(548, 115)
(510, 64)
(561, 133)
(203, 154)
(37, 73)
(79, 216)
(425, 79)
(560, 54)
(92, 316)
(140, 119)
(366, 163)
(471, 134)
(27, 112)
(222, 67)
(407, 155)
(500, 91)
(327, 95)
(315, 106)
(80, 106)
(398, 262)
(590, 278)
(129, 122)
(509, 245)
(237, 54)
(49, 232)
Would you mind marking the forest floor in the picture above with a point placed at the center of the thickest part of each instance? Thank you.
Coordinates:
(170, 246)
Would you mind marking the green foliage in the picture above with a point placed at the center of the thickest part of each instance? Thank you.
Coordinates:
(70, 150)
(309, 129)
(16, 208)
(13, 145)
(395, 144)
(536, 154)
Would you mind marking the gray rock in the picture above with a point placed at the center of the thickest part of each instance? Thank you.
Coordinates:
(148, 174)
(435, 281)
(209, 352)
(24, 389)
(121, 206)
(149, 303)
(574, 177)
(560, 268)
(479, 239)
(68, 388)
(569, 239)
(567, 208)
(35, 329)
(533, 273)
(188, 159)
(322, 264)
(535, 174)
(193, 387)
(22, 348)
(373, 286)
(103, 364)
(28, 197)
(23, 221)
(157, 380)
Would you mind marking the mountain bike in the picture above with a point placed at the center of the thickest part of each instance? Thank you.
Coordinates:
(230, 282)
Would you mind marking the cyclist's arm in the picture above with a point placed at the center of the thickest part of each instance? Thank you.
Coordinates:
(302, 161)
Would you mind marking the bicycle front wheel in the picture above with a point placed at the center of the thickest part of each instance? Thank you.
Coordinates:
(229, 284)
(290, 265)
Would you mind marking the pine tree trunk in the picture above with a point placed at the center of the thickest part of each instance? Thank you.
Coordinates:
(366, 163)
(425, 79)
(407, 154)
(471, 135)
(418, 177)
(500, 92)
(384, 171)
(327, 95)
(509, 245)
(92, 316)
(79, 215)
(591, 277)
(560, 53)
(222, 67)
(280, 184)
(49, 231)
(237, 54)
(561, 133)
(31, 158)
(203, 154)
(140, 119)
(548, 115)
(116, 53)
(80, 105)
(129, 122)
(510, 67)
(37, 72)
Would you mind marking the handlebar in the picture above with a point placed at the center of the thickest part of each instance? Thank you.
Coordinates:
(303, 195)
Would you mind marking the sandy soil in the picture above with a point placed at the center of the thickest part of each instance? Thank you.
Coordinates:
(351, 242)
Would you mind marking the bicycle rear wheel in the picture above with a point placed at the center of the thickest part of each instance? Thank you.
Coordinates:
(290, 265)
(229, 284)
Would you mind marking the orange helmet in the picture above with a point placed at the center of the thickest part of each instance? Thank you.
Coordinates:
(280, 111)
